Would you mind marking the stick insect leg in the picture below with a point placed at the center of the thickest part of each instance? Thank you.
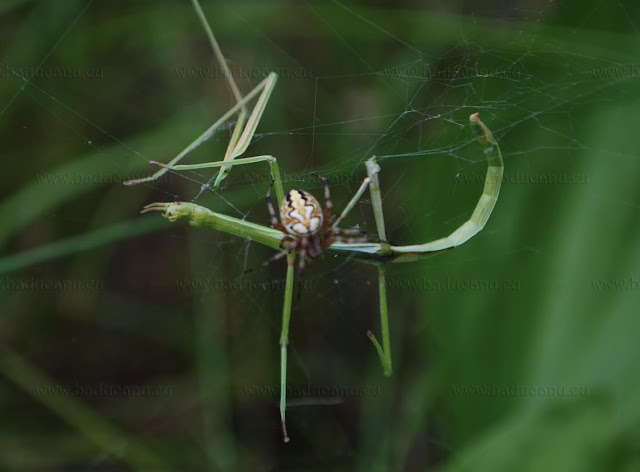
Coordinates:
(217, 51)
(244, 140)
(353, 201)
(242, 134)
(272, 161)
(284, 341)
(384, 351)
(204, 136)
(242, 114)
(255, 116)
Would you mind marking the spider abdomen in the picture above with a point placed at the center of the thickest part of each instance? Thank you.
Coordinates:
(300, 213)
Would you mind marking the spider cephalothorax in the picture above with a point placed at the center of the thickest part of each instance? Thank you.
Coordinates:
(308, 230)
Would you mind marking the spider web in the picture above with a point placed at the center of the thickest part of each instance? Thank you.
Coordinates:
(407, 106)
(366, 81)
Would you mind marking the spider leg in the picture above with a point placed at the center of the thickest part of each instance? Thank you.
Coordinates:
(285, 240)
(302, 261)
(327, 199)
(344, 231)
(302, 247)
(272, 212)
(276, 257)
(342, 239)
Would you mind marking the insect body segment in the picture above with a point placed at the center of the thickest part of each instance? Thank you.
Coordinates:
(301, 213)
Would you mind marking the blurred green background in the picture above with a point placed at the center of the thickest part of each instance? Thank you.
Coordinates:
(129, 343)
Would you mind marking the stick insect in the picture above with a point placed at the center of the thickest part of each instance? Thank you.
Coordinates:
(307, 229)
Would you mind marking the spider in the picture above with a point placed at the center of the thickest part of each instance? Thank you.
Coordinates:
(307, 229)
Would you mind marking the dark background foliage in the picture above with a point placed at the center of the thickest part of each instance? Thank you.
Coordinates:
(127, 342)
